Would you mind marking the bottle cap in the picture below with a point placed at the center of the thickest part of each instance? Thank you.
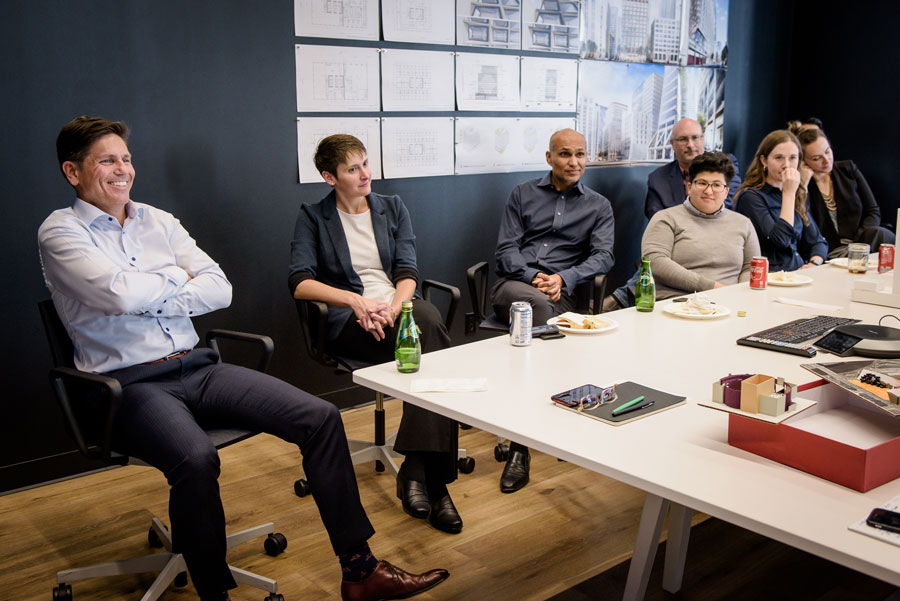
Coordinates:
(406, 304)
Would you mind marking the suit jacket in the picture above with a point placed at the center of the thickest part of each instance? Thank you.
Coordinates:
(856, 206)
(665, 187)
(320, 251)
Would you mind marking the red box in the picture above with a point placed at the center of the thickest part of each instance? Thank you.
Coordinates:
(860, 467)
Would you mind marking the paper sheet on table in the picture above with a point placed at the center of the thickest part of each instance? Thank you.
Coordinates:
(802, 303)
(889, 537)
(448, 385)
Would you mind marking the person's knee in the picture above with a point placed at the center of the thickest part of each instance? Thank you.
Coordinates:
(200, 463)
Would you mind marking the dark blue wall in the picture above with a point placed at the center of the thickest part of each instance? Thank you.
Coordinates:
(208, 89)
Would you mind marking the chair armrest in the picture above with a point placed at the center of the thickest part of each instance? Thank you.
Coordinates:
(598, 293)
(110, 392)
(476, 280)
(314, 324)
(453, 291)
(265, 344)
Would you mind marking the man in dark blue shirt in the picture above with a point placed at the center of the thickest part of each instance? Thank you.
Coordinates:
(555, 233)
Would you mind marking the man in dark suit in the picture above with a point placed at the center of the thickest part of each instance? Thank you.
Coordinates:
(667, 186)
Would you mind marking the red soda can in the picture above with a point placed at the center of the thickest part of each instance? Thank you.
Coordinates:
(885, 258)
(759, 273)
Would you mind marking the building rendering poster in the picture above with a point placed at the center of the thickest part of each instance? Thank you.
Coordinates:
(626, 111)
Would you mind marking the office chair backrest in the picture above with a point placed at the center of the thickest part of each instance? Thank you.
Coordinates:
(61, 349)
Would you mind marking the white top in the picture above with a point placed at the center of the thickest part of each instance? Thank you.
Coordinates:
(365, 258)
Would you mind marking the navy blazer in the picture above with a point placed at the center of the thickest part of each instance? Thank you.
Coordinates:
(856, 206)
(665, 187)
(320, 251)
(787, 246)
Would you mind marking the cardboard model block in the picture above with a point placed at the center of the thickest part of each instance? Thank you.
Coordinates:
(772, 404)
(718, 393)
(754, 387)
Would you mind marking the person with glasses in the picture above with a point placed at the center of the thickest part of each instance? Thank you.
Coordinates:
(773, 196)
(699, 245)
(668, 185)
(840, 200)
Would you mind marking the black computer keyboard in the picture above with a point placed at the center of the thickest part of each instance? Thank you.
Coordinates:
(790, 337)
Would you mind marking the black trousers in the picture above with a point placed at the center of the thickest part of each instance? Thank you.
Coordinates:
(420, 430)
(506, 292)
(165, 407)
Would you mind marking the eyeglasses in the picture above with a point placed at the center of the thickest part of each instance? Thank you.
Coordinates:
(702, 185)
(684, 139)
(591, 401)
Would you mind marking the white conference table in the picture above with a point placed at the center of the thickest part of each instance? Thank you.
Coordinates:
(680, 456)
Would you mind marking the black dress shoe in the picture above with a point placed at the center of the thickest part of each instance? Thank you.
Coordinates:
(515, 474)
(390, 582)
(413, 496)
(444, 515)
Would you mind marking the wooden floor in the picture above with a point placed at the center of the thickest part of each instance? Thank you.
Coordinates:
(567, 526)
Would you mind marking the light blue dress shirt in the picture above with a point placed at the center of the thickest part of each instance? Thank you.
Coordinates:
(126, 294)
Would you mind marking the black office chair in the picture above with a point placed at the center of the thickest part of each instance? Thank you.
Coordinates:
(314, 324)
(71, 386)
(589, 297)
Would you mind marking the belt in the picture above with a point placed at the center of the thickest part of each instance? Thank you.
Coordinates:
(174, 355)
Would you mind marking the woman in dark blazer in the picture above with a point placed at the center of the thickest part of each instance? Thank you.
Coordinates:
(355, 250)
(840, 200)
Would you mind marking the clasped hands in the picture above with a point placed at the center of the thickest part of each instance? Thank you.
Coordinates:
(551, 285)
(373, 316)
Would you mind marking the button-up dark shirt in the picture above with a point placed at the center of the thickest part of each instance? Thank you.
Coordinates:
(543, 230)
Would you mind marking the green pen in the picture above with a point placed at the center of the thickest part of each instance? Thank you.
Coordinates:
(627, 405)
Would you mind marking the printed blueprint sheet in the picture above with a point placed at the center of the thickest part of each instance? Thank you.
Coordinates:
(337, 78)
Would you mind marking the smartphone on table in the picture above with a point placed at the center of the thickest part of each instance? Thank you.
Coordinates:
(884, 519)
(587, 395)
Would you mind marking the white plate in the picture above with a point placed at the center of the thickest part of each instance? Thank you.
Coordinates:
(797, 279)
(677, 309)
(613, 324)
(842, 262)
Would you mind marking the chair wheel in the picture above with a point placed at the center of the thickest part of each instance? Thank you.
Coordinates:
(275, 544)
(379, 466)
(466, 465)
(274, 597)
(153, 538)
(301, 488)
(63, 592)
(181, 579)
(501, 452)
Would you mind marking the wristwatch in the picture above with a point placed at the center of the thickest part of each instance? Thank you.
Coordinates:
(816, 261)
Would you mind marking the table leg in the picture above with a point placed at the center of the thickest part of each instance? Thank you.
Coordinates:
(652, 519)
(676, 546)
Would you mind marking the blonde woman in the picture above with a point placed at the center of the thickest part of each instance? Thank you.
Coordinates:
(773, 197)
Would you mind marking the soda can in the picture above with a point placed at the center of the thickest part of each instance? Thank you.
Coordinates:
(885, 258)
(759, 273)
(520, 324)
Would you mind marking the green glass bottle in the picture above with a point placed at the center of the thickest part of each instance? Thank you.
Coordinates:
(408, 351)
(645, 289)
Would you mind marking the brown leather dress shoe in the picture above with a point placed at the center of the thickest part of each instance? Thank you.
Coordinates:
(390, 582)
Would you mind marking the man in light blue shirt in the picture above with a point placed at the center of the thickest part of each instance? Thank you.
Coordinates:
(126, 278)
